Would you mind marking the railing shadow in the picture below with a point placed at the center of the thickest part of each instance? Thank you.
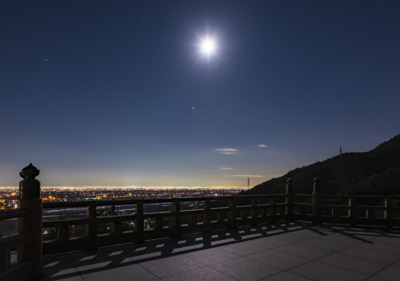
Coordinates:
(61, 266)
(68, 265)
(358, 233)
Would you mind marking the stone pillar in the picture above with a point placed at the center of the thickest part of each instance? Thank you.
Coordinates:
(317, 214)
(29, 198)
(289, 199)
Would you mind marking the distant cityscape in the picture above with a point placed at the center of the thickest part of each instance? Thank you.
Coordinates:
(9, 195)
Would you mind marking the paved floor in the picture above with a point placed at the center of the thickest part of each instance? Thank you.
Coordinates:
(293, 251)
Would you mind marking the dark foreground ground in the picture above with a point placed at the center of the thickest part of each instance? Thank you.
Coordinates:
(289, 251)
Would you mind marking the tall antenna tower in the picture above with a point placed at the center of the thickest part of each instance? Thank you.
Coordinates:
(248, 182)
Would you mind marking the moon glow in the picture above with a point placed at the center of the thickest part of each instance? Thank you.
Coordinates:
(208, 46)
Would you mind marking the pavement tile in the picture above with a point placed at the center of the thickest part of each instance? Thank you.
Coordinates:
(391, 273)
(295, 251)
(286, 276)
(311, 233)
(278, 259)
(358, 264)
(291, 237)
(324, 272)
(305, 251)
(60, 267)
(223, 241)
(199, 274)
(245, 269)
(371, 254)
(268, 242)
(391, 240)
(324, 244)
(64, 278)
(362, 234)
(210, 256)
(169, 266)
(242, 248)
(340, 238)
(83, 257)
(384, 247)
(142, 257)
(124, 273)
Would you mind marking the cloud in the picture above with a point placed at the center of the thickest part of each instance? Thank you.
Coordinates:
(227, 151)
(250, 176)
(263, 146)
(226, 168)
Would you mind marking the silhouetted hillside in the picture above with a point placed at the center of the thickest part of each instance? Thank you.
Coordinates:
(373, 172)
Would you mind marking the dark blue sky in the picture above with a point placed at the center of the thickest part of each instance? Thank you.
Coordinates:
(117, 93)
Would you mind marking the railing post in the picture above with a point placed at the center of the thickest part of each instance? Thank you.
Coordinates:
(289, 199)
(207, 215)
(351, 211)
(254, 208)
(91, 214)
(317, 216)
(389, 212)
(193, 217)
(272, 209)
(117, 227)
(175, 222)
(333, 212)
(158, 224)
(63, 233)
(4, 261)
(232, 213)
(29, 198)
(139, 223)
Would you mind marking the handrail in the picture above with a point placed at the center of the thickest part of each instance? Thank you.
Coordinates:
(10, 242)
(51, 205)
(302, 195)
(11, 214)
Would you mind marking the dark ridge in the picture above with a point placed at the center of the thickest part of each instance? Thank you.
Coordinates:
(374, 172)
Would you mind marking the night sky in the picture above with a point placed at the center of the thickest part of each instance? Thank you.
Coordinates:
(118, 92)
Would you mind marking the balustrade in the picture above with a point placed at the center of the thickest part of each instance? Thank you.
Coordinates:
(95, 229)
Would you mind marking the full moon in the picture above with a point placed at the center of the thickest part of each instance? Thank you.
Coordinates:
(208, 46)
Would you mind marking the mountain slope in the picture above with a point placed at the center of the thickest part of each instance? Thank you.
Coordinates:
(372, 172)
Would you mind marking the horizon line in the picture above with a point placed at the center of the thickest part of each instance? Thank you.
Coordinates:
(135, 187)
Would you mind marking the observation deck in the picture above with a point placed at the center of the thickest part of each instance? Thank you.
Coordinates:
(248, 237)
(285, 251)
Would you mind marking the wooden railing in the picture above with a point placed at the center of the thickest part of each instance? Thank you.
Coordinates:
(352, 210)
(188, 215)
(178, 216)
(28, 261)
